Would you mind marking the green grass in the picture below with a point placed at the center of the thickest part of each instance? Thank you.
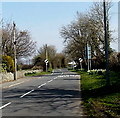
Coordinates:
(37, 74)
(101, 100)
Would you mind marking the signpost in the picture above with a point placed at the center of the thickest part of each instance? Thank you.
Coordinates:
(73, 64)
(88, 56)
(46, 61)
(80, 60)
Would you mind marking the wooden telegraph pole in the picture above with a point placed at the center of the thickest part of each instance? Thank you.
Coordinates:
(15, 61)
(106, 45)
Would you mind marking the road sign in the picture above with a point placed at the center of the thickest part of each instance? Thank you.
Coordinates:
(46, 61)
(80, 59)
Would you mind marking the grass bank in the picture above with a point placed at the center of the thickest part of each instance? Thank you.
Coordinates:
(99, 100)
(37, 73)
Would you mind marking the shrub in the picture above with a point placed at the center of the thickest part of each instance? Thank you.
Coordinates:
(37, 67)
(7, 63)
(30, 73)
(50, 70)
(25, 67)
(90, 72)
(100, 73)
(3, 67)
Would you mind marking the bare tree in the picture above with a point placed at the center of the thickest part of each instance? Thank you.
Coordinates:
(88, 28)
(56, 60)
(51, 53)
(25, 46)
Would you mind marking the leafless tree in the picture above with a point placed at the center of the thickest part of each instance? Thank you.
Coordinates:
(56, 60)
(25, 46)
(88, 28)
(51, 53)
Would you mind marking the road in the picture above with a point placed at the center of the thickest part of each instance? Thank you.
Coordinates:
(57, 94)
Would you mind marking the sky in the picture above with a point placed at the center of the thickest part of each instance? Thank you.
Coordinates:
(44, 20)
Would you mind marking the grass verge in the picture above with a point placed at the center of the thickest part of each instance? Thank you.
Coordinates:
(37, 74)
(99, 100)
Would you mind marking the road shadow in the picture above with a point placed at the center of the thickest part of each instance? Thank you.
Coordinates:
(43, 92)
(47, 100)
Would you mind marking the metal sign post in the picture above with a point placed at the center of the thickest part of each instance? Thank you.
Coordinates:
(89, 56)
(80, 60)
(46, 61)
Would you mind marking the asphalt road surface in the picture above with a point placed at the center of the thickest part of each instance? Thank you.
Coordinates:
(57, 94)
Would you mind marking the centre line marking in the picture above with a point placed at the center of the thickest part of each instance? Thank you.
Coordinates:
(55, 77)
(5, 105)
(41, 85)
(50, 81)
(26, 93)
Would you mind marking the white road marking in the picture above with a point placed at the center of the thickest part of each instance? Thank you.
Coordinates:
(55, 77)
(27, 93)
(46, 83)
(50, 81)
(41, 85)
(60, 76)
(69, 76)
(14, 84)
(5, 105)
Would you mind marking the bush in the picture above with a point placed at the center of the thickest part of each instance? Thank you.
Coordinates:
(7, 63)
(25, 67)
(50, 70)
(30, 73)
(3, 67)
(100, 73)
(90, 72)
(37, 67)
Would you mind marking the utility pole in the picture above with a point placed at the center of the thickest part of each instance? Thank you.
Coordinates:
(119, 26)
(106, 45)
(15, 61)
(46, 58)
